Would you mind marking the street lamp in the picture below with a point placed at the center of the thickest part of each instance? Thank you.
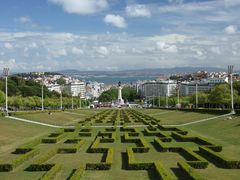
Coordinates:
(178, 89)
(80, 103)
(61, 98)
(196, 95)
(72, 100)
(42, 93)
(6, 73)
(230, 72)
(159, 99)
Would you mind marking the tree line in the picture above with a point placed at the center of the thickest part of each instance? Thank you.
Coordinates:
(218, 97)
(26, 94)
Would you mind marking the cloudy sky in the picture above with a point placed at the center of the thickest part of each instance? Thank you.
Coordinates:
(47, 35)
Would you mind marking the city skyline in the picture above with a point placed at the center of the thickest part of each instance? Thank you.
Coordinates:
(50, 35)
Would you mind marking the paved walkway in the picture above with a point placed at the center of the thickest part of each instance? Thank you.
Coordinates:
(105, 126)
(199, 121)
(39, 123)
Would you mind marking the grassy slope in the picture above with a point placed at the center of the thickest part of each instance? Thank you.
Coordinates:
(58, 118)
(176, 117)
(14, 133)
(223, 132)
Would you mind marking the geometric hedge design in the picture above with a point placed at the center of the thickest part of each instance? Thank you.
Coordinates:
(112, 133)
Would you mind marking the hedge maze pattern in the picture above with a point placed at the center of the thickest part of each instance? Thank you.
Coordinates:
(99, 134)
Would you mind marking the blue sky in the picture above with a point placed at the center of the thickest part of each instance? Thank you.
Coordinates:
(48, 35)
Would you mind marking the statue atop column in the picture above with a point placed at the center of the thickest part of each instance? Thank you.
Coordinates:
(120, 100)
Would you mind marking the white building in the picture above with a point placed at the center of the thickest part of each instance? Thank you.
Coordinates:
(158, 88)
(189, 88)
(76, 89)
(54, 87)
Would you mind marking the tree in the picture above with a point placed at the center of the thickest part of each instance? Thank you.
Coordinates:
(2, 97)
(221, 95)
(61, 81)
(203, 98)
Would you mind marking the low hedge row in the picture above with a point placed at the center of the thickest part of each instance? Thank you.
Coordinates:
(51, 174)
(162, 172)
(105, 165)
(85, 134)
(197, 140)
(46, 156)
(53, 138)
(95, 149)
(69, 129)
(18, 161)
(30, 145)
(73, 149)
(157, 166)
(218, 159)
(78, 173)
(133, 165)
(189, 171)
(193, 159)
(148, 132)
(40, 167)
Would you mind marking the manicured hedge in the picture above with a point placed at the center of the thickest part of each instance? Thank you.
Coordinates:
(197, 140)
(24, 148)
(193, 159)
(78, 173)
(85, 134)
(69, 129)
(73, 149)
(218, 159)
(37, 164)
(18, 161)
(51, 174)
(162, 172)
(53, 138)
(105, 165)
(189, 171)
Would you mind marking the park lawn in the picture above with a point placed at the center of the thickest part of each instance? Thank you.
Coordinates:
(174, 117)
(14, 133)
(86, 112)
(225, 133)
(220, 131)
(55, 118)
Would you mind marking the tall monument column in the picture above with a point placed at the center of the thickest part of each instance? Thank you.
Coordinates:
(120, 100)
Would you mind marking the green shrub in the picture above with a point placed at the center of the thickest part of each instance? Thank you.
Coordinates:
(162, 172)
(18, 161)
(51, 174)
(189, 171)
(218, 159)
(78, 173)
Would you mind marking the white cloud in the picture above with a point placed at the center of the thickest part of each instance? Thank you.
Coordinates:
(8, 45)
(23, 19)
(11, 63)
(231, 29)
(138, 10)
(216, 50)
(167, 47)
(82, 7)
(56, 53)
(115, 20)
(102, 50)
(170, 38)
(77, 51)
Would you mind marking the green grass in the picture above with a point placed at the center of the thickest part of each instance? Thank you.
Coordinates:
(14, 133)
(219, 131)
(174, 117)
(58, 118)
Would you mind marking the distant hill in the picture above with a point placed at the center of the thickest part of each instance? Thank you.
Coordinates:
(142, 72)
